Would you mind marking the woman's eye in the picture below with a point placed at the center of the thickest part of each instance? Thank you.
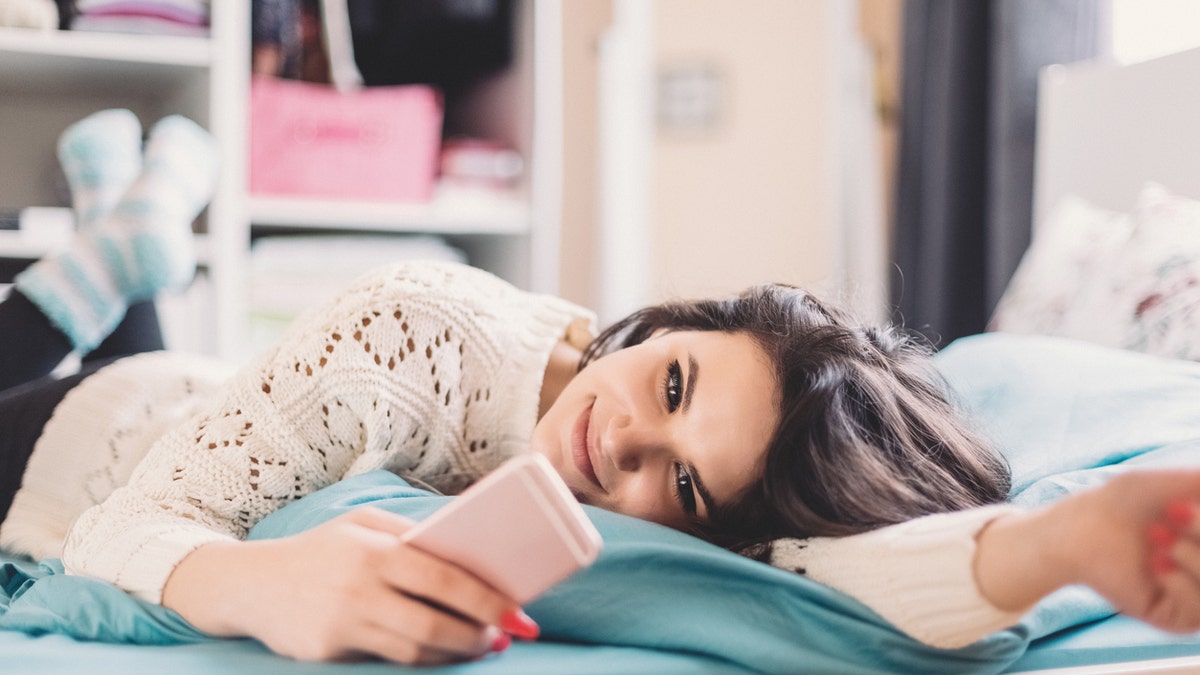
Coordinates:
(683, 490)
(673, 385)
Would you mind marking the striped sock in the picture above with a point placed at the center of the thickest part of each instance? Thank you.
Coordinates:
(142, 246)
(100, 155)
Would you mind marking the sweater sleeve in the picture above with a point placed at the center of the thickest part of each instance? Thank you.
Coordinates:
(380, 378)
(918, 575)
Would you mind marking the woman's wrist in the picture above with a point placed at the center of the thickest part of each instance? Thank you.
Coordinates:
(1022, 557)
(212, 588)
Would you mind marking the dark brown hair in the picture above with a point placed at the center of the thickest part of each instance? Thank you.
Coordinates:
(867, 434)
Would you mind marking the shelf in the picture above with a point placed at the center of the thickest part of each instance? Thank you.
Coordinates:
(17, 245)
(54, 62)
(50, 79)
(452, 211)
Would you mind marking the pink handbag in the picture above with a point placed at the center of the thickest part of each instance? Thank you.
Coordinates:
(376, 143)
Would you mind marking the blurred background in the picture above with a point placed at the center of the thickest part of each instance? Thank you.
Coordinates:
(614, 152)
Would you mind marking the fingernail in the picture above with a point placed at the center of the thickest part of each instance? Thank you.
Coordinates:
(1162, 564)
(518, 623)
(1180, 512)
(501, 643)
(1161, 535)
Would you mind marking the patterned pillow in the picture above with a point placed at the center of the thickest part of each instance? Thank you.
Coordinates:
(1162, 274)
(1136, 280)
(1068, 253)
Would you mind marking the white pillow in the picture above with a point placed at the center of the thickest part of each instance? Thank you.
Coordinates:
(1074, 247)
(1160, 275)
(1128, 281)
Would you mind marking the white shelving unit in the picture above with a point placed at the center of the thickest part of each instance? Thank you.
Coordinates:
(57, 59)
(50, 79)
(451, 212)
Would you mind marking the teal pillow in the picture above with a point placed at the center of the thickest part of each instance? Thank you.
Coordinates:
(657, 588)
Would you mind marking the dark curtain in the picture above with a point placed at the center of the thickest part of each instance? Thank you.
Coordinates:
(965, 192)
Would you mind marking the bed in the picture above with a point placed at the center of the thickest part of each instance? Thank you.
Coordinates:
(1115, 261)
(659, 601)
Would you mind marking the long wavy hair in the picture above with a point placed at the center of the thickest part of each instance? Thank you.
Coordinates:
(867, 436)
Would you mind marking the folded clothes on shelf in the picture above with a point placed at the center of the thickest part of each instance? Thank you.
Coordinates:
(154, 17)
(34, 231)
(291, 273)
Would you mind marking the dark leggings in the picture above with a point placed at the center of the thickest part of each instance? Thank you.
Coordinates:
(30, 348)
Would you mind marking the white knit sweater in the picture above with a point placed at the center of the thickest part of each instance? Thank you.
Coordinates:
(426, 369)
(430, 370)
(918, 575)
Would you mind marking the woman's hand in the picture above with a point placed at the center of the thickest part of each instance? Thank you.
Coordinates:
(346, 589)
(1134, 540)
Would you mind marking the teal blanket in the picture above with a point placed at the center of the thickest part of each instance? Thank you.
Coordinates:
(653, 592)
(660, 601)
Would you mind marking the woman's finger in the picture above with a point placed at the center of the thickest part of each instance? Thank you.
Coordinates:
(431, 627)
(432, 579)
(1181, 515)
(425, 576)
(379, 642)
(1183, 555)
(1178, 607)
(378, 519)
(438, 582)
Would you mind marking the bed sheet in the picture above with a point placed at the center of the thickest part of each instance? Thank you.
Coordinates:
(1068, 416)
(1117, 639)
(54, 654)
(61, 655)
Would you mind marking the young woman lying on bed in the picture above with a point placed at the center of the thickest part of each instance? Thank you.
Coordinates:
(769, 423)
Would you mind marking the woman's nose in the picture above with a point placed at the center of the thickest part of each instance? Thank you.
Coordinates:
(630, 443)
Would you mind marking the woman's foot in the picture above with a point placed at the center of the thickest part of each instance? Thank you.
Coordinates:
(100, 155)
(147, 237)
(144, 245)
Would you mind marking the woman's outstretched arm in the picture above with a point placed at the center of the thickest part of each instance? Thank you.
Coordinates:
(953, 578)
(1134, 541)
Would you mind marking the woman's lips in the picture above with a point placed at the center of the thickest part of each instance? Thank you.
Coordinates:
(579, 447)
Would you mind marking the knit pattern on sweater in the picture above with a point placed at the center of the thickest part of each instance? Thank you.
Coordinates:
(430, 370)
(96, 437)
(919, 575)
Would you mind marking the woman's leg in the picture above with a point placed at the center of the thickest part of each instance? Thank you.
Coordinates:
(134, 239)
(101, 156)
(138, 332)
(32, 345)
(24, 410)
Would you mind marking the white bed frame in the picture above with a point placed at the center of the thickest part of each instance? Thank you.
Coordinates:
(1103, 131)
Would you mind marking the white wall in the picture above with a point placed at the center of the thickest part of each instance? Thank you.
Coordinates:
(781, 184)
(751, 198)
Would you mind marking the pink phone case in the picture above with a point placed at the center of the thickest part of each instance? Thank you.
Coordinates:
(519, 529)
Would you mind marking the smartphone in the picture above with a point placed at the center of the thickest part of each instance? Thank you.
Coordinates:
(518, 529)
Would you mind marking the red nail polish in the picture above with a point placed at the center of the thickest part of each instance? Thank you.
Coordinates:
(1180, 512)
(501, 643)
(1161, 536)
(518, 623)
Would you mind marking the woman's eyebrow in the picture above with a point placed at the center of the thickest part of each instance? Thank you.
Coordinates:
(705, 495)
(692, 376)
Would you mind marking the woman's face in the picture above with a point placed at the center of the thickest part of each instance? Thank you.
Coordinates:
(666, 429)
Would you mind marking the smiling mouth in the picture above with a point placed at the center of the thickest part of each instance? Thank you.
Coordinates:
(579, 447)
